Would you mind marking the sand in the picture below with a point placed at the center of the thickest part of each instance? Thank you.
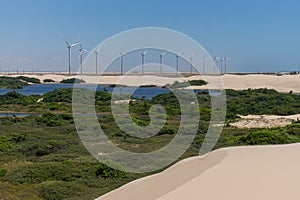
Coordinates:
(248, 173)
(265, 121)
(284, 83)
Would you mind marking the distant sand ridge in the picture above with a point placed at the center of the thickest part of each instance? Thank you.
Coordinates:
(283, 83)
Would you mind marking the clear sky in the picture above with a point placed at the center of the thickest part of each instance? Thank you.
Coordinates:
(258, 35)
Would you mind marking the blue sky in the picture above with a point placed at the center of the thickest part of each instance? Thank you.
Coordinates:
(258, 35)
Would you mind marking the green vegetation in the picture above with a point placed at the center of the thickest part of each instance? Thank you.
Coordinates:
(17, 98)
(148, 86)
(261, 101)
(177, 84)
(48, 81)
(28, 79)
(42, 157)
(72, 80)
(11, 83)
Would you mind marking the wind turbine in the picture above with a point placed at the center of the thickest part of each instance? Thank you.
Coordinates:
(96, 55)
(122, 62)
(161, 61)
(177, 63)
(216, 59)
(69, 46)
(143, 60)
(225, 61)
(204, 64)
(192, 61)
(81, 51)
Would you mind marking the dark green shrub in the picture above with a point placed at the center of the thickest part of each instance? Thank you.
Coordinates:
(57, 190)
(16, 98)
(11, 83)
(72, 80)
(3, 172)
(28, 79)
(48, 81)
(109, 170)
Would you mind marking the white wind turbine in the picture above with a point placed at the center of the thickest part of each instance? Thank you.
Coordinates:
(177, 62)
(161, 61)
(81, 51)
(69, 46)
(191, 60)
(217, 59)
(204, 64)
(143, 60)
(122, 62)
(96, 55)
(225, 62)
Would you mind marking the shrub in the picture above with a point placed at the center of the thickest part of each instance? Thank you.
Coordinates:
(11, 83)
(16, 98)
(56, 190)
(109, 169)
(72, 80)
(28, 79)
(263, 137)
(167, 130)
(3, 172)
(48, 81)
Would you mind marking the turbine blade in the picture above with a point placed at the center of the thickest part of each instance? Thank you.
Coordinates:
(73, 45)
(145, 52)
(62, 36)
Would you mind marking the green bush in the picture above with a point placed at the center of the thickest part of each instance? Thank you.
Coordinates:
(167, 130)
(17, 98)
(57, 190)
(48, 81)
(3, 172)
(72, 80)
(263, 137)
(50, 119)
(11, 83)
(109, 169)
(28, 79)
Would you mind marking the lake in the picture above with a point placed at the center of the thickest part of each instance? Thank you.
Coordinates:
(41, 89)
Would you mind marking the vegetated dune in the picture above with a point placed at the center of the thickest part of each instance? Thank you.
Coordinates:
(283, 83)
(248, 173)
(265, 121)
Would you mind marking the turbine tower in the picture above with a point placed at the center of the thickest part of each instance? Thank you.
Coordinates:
(225, 62)
(81, 51)
(69, 46)
(192, 62)
(161, 61)
(122, 62)
(143, 60)
(177, 63)
(204, 64)
(96, 55)
(216, 59)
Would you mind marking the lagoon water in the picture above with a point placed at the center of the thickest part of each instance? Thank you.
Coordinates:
(41, 89)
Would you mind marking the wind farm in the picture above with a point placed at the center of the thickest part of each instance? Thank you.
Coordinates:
(156, 100)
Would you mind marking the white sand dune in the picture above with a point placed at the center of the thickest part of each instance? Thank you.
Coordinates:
(265, 121)
(247, 173)
(284, 83)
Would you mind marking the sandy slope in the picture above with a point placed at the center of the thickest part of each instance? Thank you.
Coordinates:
(248, 173)
(284, 83)
(265, 121)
